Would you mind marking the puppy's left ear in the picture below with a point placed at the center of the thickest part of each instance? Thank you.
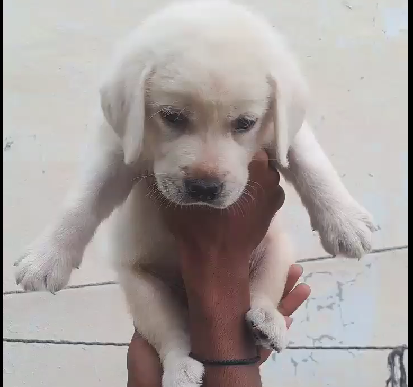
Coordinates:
(123, 105)
(289, 106)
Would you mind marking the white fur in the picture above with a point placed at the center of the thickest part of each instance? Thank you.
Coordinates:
(215, 61)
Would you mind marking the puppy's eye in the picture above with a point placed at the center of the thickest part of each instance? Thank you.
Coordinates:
(174, 117)
(243, 124)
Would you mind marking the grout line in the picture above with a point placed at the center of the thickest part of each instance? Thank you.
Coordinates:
(104, 283)
(346, 347)
(66, 342)
(316, 259)
(374, 251)
(80, 286)
(114, 344)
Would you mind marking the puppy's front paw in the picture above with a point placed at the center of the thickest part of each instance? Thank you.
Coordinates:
(268, 326)
(182, 371)
(45, 267)
(345, 230)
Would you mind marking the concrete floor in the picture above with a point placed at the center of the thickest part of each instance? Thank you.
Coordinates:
(355, 56)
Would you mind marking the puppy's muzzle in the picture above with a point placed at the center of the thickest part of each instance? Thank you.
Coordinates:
(203, 190)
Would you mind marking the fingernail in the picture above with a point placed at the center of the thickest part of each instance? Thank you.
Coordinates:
(288, 321)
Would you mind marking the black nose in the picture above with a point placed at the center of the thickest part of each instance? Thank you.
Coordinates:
(203, 190)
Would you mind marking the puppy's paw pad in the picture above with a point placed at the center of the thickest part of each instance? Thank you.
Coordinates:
(269, 327)
(182, 372)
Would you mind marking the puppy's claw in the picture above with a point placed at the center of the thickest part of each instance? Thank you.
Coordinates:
(276, 348)
(17, 262)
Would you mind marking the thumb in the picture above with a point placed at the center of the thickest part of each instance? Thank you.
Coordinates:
(258, 164)
(276, 198)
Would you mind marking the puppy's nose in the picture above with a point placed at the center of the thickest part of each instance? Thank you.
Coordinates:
(203, 190)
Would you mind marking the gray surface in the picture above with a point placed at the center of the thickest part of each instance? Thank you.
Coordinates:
(352, 304)
(38, 365)
(327, 368)
(105, 366)
(355, 56)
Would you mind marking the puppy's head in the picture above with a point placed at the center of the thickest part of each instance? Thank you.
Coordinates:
(196, 92)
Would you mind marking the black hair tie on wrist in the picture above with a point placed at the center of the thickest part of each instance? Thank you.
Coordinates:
(224, 363)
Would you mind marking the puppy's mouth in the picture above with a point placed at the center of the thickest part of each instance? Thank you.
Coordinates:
(193, 191)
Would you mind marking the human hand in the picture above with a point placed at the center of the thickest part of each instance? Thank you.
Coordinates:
(215, 247)
(240, 227)
(229, 234)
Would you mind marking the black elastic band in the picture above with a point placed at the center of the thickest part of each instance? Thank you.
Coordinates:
(223, 363)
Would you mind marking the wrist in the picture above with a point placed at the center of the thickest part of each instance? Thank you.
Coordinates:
(214, 271)
(217, 288)
(223, 337)
(220, 316)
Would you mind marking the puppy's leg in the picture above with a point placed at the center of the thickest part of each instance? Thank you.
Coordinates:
(161, 320)
(272, 259)
(345, 227)
(49, 261)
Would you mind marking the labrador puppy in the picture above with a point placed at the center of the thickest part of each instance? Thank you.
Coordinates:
(190, 97)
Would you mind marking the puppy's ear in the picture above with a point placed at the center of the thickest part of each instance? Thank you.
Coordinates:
(289, 105)
(123, 104)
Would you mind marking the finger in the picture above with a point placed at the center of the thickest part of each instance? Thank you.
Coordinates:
(261, 156)
(272, 164)
(264, 354)
(288, 321)
(258, 166)
(276, 198)
(294, 299)
(294, 275)
(260, 172)
(273, 177)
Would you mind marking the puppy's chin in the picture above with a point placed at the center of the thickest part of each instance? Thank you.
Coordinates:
(178, 197)
(184, 200)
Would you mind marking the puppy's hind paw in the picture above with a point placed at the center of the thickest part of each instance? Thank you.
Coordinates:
(268, 326)
(182, 371)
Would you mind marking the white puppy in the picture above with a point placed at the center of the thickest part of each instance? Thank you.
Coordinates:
(190, 98)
